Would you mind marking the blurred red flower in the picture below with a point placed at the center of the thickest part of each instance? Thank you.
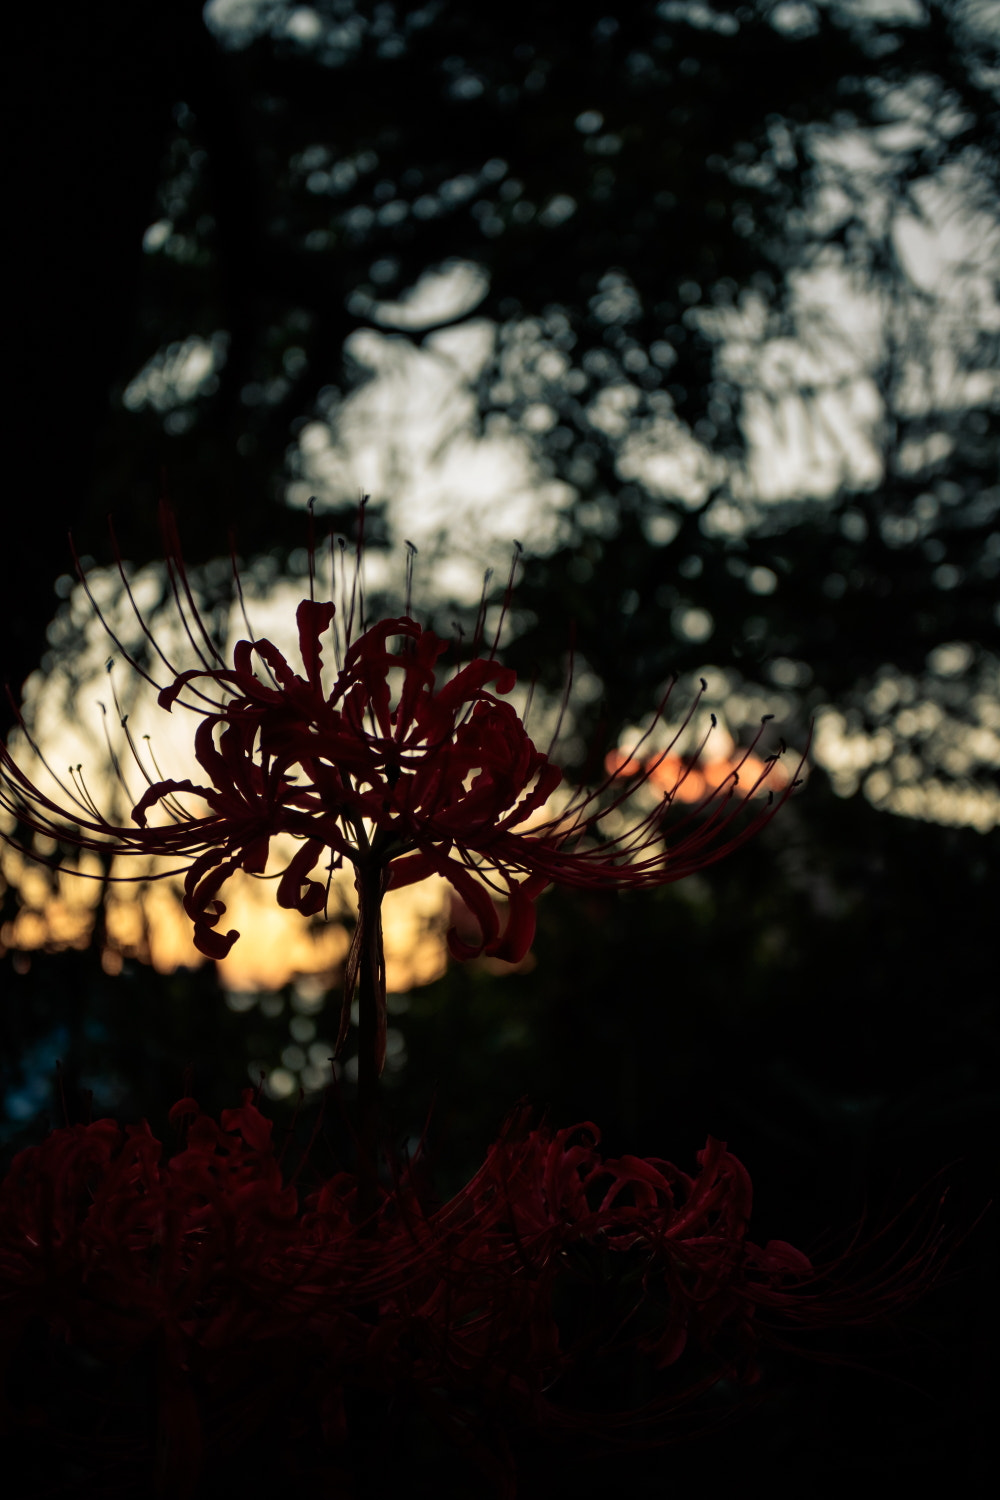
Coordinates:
(514, 1300)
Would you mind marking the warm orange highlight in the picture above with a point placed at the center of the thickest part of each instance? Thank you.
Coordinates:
(685, 781)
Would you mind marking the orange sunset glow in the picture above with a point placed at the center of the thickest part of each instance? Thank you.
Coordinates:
(276, 947)
(689, 782)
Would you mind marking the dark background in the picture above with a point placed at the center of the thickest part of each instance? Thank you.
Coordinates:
(825, 999)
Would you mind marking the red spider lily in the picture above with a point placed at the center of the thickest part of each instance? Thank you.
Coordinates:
(401, 770)
(551, 1268)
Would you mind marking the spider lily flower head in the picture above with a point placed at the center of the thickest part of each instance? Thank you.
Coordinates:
(391, 763)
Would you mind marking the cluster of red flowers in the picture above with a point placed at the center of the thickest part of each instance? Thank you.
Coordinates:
(206, 1265)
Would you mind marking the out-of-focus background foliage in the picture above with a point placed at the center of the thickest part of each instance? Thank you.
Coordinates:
(701, 303)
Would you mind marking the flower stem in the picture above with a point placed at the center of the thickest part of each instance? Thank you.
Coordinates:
(370, 1030)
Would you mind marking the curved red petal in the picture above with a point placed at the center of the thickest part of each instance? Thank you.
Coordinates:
(290, 887)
